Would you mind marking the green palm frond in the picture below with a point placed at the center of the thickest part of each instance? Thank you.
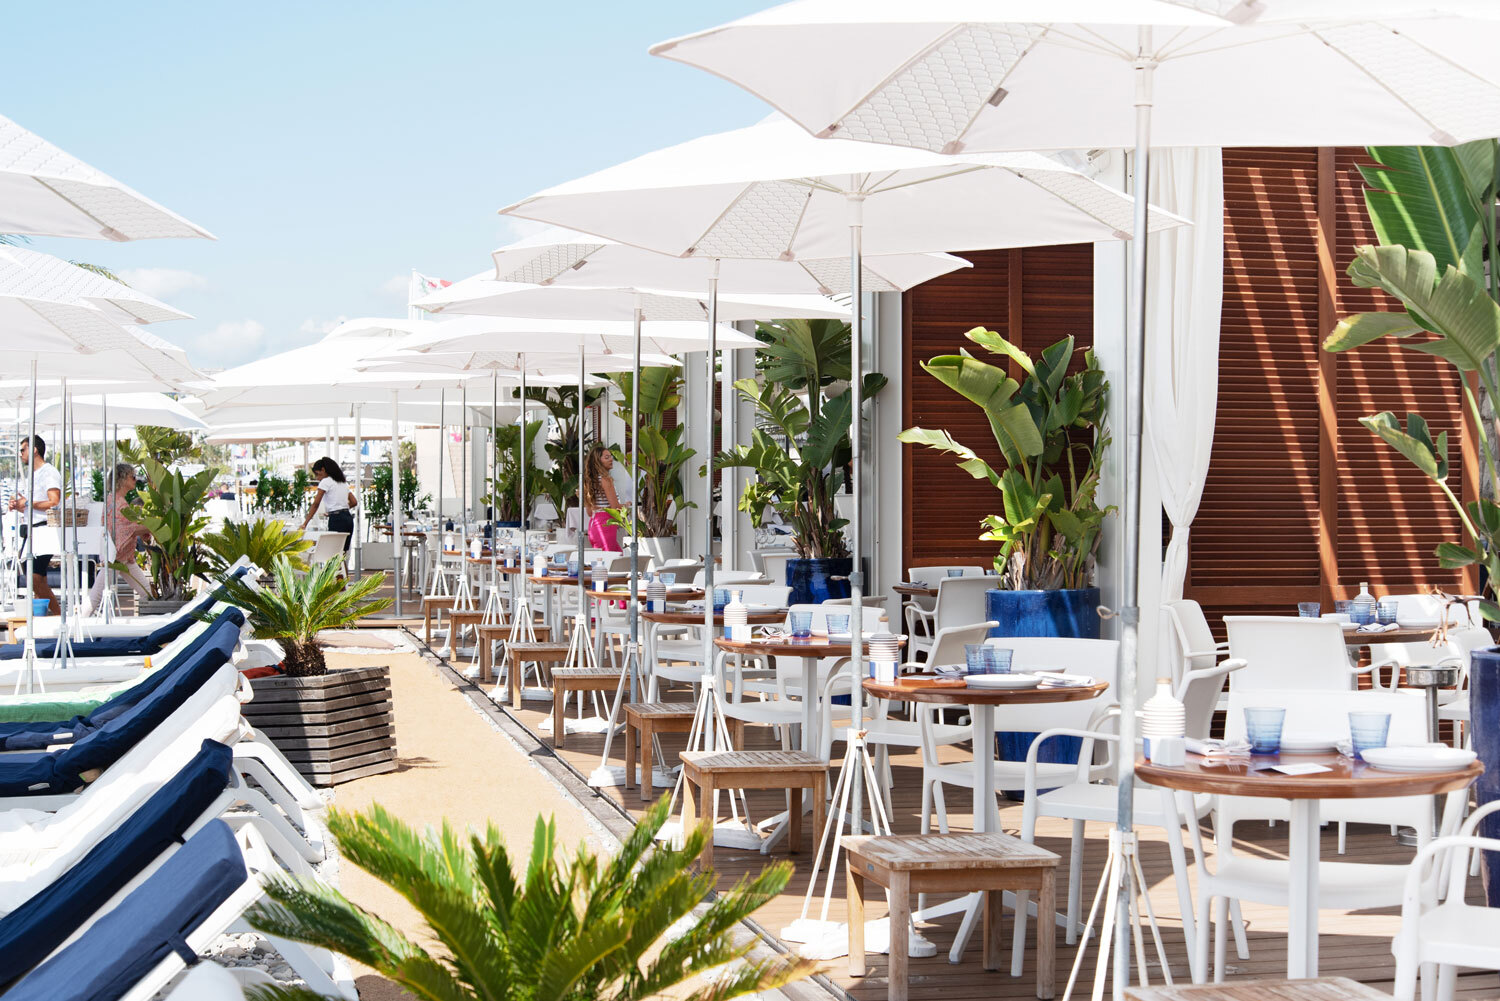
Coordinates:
(579, 929)
(260, 541)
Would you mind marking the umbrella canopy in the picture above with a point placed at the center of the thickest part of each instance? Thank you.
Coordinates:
(295, 430)
(28, 273)
(557, 253)
(964, 75)
(483, 295)
(554, 344)
(46, 192)
(505, 364)
(329, 412)
(122, 408)
(772, 192)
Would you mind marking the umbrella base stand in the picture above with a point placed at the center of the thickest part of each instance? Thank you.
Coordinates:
(1122, 871)
(522, 630)
(821, 938)
(607, 775)
(581, 644)
(710, 732)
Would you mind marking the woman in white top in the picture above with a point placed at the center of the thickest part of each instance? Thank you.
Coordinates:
(45, 484)
(334, 498)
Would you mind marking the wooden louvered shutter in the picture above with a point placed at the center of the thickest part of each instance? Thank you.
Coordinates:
(1034, 296)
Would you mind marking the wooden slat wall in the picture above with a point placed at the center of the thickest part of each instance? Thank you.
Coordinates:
(1301, 502)
(1036, 296)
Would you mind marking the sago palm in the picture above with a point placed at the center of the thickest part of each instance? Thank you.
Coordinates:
(260, 541)
(585, 929)
(298, 606)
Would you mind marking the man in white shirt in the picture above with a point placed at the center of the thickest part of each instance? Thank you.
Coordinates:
(37, 492)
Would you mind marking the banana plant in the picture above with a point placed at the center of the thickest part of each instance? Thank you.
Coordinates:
(171, 508)
(1049, 428)
(663, 456)
(505, 486)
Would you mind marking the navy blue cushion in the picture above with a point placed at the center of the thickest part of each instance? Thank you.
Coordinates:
(146, 927)
(26, 773)
(45, 921)
(24, 735)
(123, 646)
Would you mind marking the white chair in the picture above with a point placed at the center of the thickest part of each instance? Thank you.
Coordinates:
(773, 565)
(1189, 638)
(960, 602)
(866, 601)
(1440, 931)
(1341, 885)
(327, 546)
(1428, 608)
(1087, 799)
(1282, 652)
(1098, 658)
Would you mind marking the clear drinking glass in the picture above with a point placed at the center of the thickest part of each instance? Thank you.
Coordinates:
(838, 625)
(1368, 729)
(1309, 609)
(667, 577)
(1386, 612)
(801, 625)
(1263, 728)
(955, 571)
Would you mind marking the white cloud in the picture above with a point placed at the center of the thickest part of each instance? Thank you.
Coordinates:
(313, 325)
(397, 287)
(231, 343)
(162, 283)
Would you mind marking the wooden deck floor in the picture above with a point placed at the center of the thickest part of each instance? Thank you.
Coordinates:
(1354, 944)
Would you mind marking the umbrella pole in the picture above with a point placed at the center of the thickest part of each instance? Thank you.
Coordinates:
(440, 579)
(60, 651)
(462, 598)
(32, 678)
(396, 494)
(521, 630)
(492, 602)
(581, 650)
(709, 381)
(359, 481)
(107, 459)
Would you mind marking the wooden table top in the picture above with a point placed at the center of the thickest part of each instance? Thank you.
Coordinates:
(971, 850)
(620, 594)
(962, 695)
(784, 646)
(1320, 989)
(1353, 637)
(915, 590)
(688, 617)
(1349, 779)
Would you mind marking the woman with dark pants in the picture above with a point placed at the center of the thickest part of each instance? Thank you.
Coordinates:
(333, 498)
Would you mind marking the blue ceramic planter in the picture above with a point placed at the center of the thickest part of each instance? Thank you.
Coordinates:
(1484, 708)
(811, 583)
(1071, 614)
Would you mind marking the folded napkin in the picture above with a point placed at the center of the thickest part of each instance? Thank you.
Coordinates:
(1375, 627)
(1057, 679)
(951, 670)
(1212, 748)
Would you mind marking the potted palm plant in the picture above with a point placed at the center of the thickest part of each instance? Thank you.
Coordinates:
(171, 507)
(620, 928)
(800, 448)
(663, 456)
(260, 541)
(332, 725)
(1050, 433)
(505, 486)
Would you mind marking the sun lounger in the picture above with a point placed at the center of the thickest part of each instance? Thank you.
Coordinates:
(38, 734)
(136, 625)
(156, 930)
(62, 770)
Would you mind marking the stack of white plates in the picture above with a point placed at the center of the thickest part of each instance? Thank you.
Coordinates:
(1418, 758)
(1308, 743)
(1003, 681)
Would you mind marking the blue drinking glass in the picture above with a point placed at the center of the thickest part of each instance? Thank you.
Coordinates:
(1385, 613)
(572, 568)
(838, 625)
(955, 572)
(667, 577)
(1263, 728)
(1362, 613)
(1309, 609)
(801, 625)
(721, 598)
(1368, 729)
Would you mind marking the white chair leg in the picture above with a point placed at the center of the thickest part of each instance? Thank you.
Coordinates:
(1221, 927)
(1447, 977)
(926, 814)
(1343, 835)
(942, 807)
(1200, 936)
(1237, 925)
(1075, 882)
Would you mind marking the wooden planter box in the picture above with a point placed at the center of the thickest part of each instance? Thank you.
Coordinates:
(333, 727)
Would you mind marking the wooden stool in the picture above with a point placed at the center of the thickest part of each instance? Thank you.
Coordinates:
(789, 770)
(499, 632)
(531, 653)
(948, 863)
(577, 679)
(458, 620)
(435, 603)
(1320, 989)
(651, 718)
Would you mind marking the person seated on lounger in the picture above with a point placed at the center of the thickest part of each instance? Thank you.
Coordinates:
(124, 533)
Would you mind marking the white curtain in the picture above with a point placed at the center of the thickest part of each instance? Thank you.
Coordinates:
(1184, 298)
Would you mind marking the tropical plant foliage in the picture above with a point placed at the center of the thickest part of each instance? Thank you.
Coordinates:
(1051, 434)
(164, 445)
(274, 493)
(663, 456)
(170, 506)
(380, 492)
(560, 482)
(261, 541)
(298, 606)
(585, 929)
(1433, 209)
(800, 448)
(505, 485)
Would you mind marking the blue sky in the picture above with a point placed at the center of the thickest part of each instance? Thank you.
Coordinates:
(333, 147)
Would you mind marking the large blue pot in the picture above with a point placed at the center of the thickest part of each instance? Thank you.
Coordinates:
(812, 581)
(1071, 613)
(1484, 726)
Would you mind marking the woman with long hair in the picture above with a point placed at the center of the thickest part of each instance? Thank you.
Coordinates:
(333, 498)
(599, 495)
(124, 534)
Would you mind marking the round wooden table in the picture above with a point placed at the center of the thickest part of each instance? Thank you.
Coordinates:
(981, 703)
(1353, 637)
(688, 617)
(1348, 779)
(915, 590)
(621, 594)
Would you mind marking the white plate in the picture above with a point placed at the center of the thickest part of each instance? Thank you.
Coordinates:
(1349, 626)
(1409, 622)
(1419, 758)
(1003, 681)
(1308, 743)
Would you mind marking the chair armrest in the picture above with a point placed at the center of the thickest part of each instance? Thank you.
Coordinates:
(1085, 753)
(1375, 675)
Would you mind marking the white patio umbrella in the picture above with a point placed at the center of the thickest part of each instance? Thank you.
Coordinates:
(773, 191)
(46, 192)
(156, 409)
(965, 75)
